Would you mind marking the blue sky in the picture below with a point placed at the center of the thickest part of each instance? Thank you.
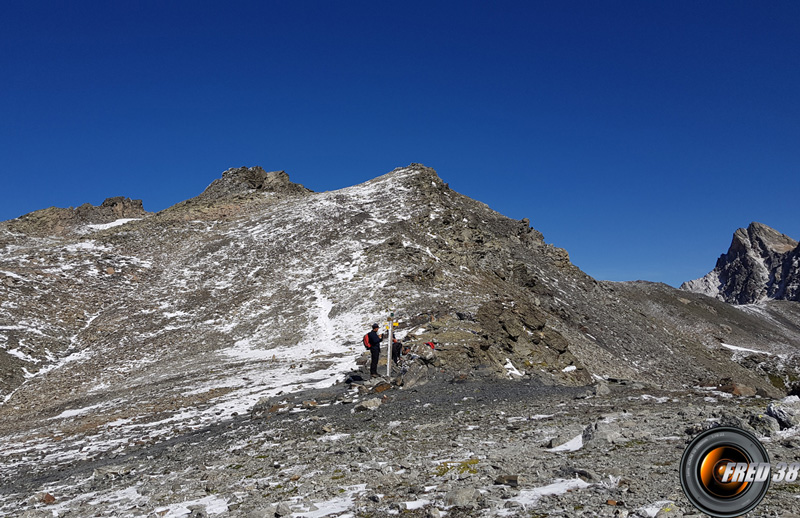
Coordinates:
(637, 135)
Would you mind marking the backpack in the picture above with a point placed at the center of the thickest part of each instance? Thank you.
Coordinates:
(366, 340)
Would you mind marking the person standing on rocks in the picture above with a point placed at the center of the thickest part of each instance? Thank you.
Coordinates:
(396, 347)
(375, 349)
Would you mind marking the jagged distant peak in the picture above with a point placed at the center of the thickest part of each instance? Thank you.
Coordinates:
(416, 169)
(763, 237)
(761, 263)
(242, 180)
(414, 178)
(408, 172)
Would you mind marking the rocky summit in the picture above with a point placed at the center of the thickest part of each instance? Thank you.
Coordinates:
(207, 360)
(761, 264)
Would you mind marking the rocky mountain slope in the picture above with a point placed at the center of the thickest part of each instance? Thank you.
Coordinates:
(125, 331)
(760, 264)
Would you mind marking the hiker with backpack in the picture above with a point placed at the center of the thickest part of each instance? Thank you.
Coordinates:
(372, 341)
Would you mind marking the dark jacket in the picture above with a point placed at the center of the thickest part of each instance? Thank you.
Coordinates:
(374, 339)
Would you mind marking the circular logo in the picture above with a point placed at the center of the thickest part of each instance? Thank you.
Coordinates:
(720, 472)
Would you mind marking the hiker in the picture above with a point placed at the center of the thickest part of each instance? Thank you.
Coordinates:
(375, 349)
(396, 346)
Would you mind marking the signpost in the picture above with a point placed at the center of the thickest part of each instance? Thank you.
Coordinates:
(389, 348)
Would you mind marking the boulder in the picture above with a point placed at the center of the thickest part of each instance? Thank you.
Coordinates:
(283, 509)
(601, 388)
(737, 389)
(764, 425)
(416, 375)
(508, 480)
(785, 411)
(369, 404)
(602, 433)
(465, 497)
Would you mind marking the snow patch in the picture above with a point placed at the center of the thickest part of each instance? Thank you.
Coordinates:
(104, 226)
(511, 370)
(213, 505)
(744, 349)
(87, 246)
(528, 498)
(333, 437)
(653, 509)
(76, 412)
(334, 506)
(417, 504)
(574, 444)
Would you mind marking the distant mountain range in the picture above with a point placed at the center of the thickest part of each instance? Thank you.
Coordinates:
(761, 264)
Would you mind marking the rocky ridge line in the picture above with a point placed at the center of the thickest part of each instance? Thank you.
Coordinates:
(56, 221)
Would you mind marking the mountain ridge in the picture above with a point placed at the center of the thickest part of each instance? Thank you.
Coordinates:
(116, 337)
(439, 242)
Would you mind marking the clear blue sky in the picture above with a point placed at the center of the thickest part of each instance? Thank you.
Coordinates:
(637, 135)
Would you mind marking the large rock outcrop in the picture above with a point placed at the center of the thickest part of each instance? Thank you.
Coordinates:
(59, 221)
(244, 180)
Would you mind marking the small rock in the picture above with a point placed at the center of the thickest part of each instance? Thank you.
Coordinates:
(264, 512)
(587, 475)
(559, 440)
(601, 388)
(466, 497)
(381, 387)
(669, 511)
(507, 480)
(44, 498)
(283, 509)
(370, 404)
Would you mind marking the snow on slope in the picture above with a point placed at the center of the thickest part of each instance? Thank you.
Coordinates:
(207, 317)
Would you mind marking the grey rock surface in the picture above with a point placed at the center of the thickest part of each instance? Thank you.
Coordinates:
(472, 449)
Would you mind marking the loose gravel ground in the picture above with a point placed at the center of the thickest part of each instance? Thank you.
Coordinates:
(466, 448)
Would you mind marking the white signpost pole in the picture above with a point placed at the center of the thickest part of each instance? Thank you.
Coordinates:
(389, 348)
